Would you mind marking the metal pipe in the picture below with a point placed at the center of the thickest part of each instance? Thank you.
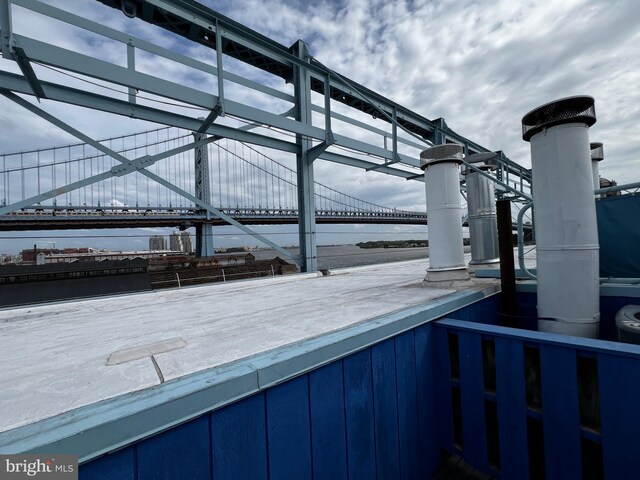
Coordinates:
(618, 188)
(507, 269)
(444, 209)
(620, 281)
(568, 267)
(521, 240)
(597, 155)
(483, 229)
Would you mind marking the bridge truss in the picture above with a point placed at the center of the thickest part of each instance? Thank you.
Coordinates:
(316, 114)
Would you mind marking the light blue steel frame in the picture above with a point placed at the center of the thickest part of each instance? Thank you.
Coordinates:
(306, 69)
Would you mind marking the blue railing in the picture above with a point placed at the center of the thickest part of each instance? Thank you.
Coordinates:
(522, 404)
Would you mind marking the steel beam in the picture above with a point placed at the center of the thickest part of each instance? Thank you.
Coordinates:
(102, 70)
(304, 164)
(5, 26)
(110, 105)
(131, 65)
(115, 155)
(136, 42)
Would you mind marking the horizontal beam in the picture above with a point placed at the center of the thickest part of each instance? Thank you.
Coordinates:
(81, 98)
(72, 96)
(102, 70)
(141, 44)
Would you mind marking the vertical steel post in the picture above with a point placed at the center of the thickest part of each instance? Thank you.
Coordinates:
(306, 200)
(220, 69)
(131, 65)
(5, 26)
(439, 136)
(204, 232)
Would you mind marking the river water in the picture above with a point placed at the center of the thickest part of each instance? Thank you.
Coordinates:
(341, 256)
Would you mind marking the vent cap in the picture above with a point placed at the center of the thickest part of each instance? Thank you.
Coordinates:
(580, 109)
(597, 152)
(449, 152)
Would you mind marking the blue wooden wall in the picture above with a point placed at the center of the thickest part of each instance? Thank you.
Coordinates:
(369, 415)
(583, 423)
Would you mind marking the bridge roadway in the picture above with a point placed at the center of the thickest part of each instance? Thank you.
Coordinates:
(75, 217)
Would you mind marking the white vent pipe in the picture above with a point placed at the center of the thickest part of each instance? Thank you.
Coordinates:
(566, 228)
(444, 210)
(597, 155)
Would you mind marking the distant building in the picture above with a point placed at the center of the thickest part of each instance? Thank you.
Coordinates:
(175, 242)
(187, 243)
(157, 242)
(606, 183)
(180, 242)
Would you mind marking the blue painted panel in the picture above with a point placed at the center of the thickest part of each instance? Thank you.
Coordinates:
(474, 431)
(288, 430)
(619, 379)
(239, 440)
(407, 405)
(425, 387)
(385, 409)
(560, 412)
(182, 452)
(119, 464)
(486, 310)
(465, 314)
(443, 388)
(619, 239)
(512, 408)
(528, 310)
(358, 393)
(328, 435)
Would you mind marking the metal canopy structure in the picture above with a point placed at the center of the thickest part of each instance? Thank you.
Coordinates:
(389, 144)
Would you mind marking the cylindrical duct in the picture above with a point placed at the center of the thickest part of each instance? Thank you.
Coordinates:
(444, 210)
(483, 225)
(566, 228)
(597, 155)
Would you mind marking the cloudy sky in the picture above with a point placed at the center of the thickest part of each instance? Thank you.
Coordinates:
(479, 64)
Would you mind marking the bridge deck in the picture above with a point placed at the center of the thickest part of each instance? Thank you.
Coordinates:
(59, 357)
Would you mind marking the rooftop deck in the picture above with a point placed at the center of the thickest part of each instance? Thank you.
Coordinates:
(59, 357)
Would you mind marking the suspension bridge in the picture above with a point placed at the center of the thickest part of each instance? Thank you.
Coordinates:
(245, 184)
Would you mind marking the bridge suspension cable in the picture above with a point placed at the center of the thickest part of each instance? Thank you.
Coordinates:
(241, 177)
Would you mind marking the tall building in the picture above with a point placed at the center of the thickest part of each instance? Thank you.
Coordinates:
(157, 242)
(187, 243)
(175, 242)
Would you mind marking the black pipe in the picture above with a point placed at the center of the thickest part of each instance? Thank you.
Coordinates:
(507, 265)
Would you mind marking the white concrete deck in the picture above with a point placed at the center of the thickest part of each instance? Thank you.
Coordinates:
(54, 358)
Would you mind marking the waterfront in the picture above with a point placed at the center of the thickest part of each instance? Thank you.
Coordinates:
(342, 256)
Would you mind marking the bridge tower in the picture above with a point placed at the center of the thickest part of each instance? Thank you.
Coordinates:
(204, 231)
